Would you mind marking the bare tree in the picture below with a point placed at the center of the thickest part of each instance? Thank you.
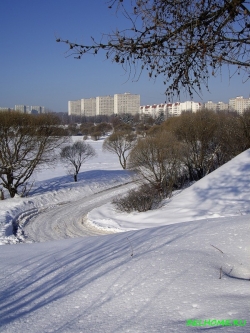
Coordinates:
(185, 41)
(197, 131)
(75, 155)
(27, 141)
(120, 143)
(157, 160)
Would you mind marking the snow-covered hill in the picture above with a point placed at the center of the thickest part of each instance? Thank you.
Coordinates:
(224, 192)
(160, 278)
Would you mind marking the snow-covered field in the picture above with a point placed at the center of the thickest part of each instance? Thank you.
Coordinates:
(188, 260)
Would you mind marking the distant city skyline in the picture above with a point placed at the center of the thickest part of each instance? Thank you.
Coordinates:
(35, 70)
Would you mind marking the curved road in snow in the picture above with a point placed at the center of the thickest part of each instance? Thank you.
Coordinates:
(68, 219)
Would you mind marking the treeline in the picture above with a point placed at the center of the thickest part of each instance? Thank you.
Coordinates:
(181, 150)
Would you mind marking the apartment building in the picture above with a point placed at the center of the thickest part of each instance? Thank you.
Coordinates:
(22, 108)
(239, 104)
(216, 107)
(105, 105)
(170, 109)
(88, 107)
(154, 110)
(126, 103)
(5, 109)
(35, 109)
(74, 108)
(209, 105)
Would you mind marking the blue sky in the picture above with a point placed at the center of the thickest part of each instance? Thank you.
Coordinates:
(34, 69)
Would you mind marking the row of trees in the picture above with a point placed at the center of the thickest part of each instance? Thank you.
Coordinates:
(29, 142)
(182, 149)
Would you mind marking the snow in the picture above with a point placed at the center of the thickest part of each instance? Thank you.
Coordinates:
(224, 192)
(187, 260)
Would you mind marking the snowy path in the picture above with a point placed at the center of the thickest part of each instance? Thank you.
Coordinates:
(68, 220)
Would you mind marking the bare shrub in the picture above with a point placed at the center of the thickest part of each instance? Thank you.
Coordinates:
(142, 199)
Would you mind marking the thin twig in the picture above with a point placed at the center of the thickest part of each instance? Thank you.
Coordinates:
(220, 273)
(132, 250)
(216, 248)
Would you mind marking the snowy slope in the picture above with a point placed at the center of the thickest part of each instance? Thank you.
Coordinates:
(152, 280)
(53, 188)
(224, 192)
(149, 280)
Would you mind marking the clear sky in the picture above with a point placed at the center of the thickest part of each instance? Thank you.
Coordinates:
(34, 69)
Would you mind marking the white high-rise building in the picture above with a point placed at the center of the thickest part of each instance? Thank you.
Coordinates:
(88, 107)
(216, 107)
(37, 109)
(126, 103)
(221, 106)
(239, 104)
(22, 108)
(74, 108)
(104, 105)
(4, 109)
(209, 105)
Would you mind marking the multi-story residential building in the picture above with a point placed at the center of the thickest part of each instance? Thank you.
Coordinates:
(88, 107)
(22, 108)
(170, 109)
(126, 103)
(221, 106)
(37, 109)
(5, 109)
(216, 107)
(104, 105)
(30, 109)
(209, 105)
(74, 108)
(239, 104)
(154, 110)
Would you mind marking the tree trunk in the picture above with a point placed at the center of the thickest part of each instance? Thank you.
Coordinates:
(12, 191)
(1, 194)
(75, 177)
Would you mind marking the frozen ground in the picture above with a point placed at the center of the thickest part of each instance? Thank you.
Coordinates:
(188, 260)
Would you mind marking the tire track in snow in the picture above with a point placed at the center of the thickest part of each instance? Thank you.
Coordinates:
(67, 220)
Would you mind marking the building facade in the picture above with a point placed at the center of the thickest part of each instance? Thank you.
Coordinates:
(239, 104)
(126, 103)
(74, 108)
(216, 107)
(88, 107)
(105, 105)
(5, 109)
(22, 108)
(34, 109)
(170, 109)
